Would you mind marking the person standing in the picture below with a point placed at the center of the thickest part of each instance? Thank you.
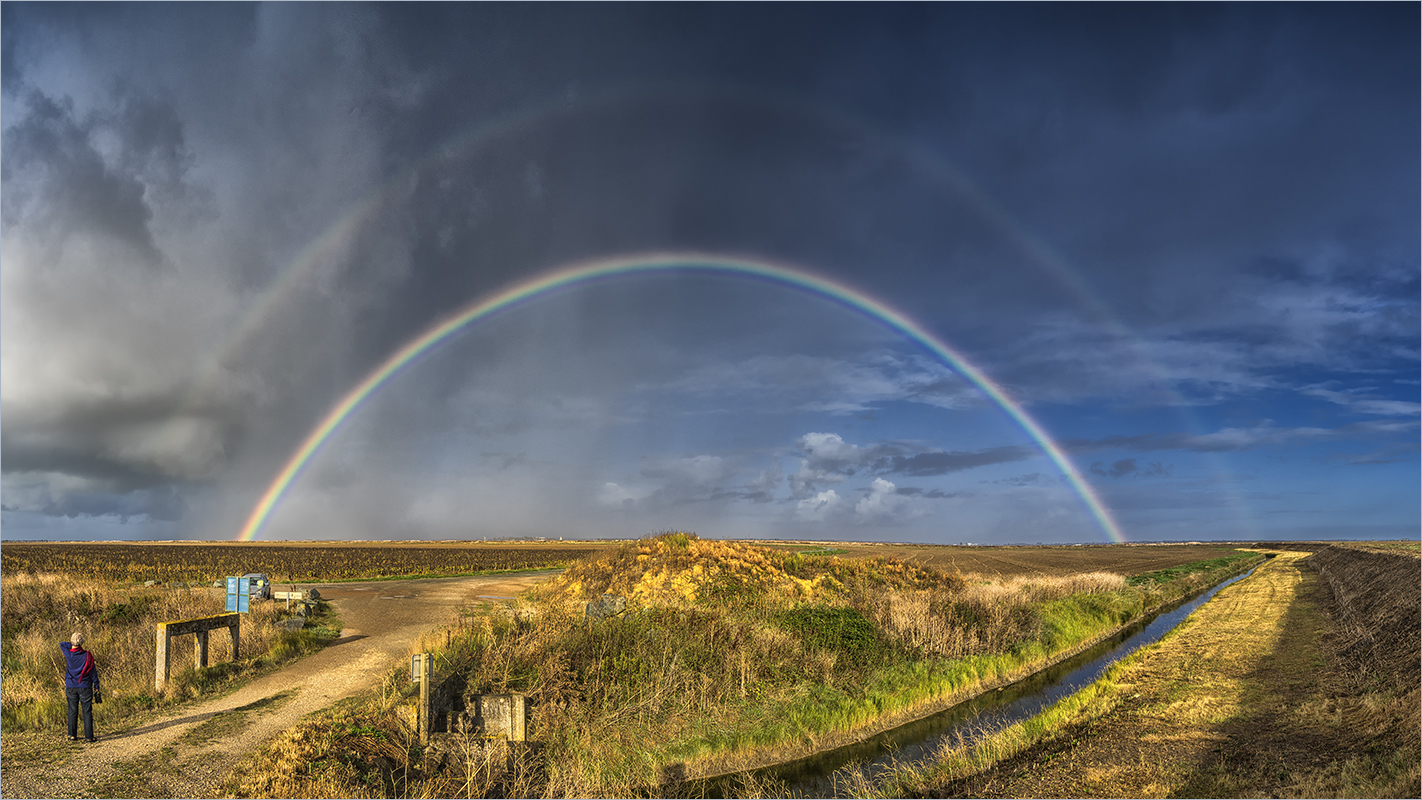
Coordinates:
(81, 681)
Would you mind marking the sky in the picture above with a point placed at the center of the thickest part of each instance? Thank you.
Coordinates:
(1179, 242)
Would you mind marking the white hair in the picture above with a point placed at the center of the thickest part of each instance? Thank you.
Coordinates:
(77, 640)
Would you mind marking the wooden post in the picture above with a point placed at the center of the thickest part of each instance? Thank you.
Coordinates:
(426, 678)
(162, 665)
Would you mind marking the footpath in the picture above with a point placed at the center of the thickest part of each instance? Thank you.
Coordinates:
(1245, 698)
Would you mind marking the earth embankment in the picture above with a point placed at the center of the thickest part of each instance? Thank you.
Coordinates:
(1376, 598)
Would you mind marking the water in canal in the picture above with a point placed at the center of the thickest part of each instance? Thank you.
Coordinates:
(917, 741)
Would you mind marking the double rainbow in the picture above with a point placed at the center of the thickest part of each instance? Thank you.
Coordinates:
(609, 268)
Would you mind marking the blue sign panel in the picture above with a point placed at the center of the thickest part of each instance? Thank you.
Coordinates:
(239, 592)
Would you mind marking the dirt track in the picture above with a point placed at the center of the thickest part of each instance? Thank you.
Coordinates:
(172, 757)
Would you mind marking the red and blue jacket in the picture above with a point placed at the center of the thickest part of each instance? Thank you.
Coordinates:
(79, 672)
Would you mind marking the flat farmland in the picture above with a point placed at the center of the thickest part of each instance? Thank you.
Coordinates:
(136, 562)
(284, 561)
(1040, 560)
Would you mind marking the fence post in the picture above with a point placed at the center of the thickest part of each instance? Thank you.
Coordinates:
(426, 678)
(200, 648)
(162, 666)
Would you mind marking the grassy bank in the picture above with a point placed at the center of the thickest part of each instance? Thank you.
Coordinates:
(1256, 694)
(730, 655)
(41, 610)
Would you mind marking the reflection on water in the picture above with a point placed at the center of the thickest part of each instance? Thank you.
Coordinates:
(918, 741)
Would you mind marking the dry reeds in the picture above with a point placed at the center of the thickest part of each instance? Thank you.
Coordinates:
(985, 617)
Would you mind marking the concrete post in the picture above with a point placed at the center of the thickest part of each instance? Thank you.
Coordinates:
(200, 648)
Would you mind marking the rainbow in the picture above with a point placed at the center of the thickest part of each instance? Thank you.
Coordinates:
(586, 272)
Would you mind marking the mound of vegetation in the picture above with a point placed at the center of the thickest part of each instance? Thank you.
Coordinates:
(683, 570)
(728, 655)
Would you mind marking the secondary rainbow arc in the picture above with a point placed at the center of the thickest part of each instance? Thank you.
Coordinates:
(600, 269)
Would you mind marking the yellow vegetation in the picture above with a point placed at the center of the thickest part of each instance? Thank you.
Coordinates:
(681, 569)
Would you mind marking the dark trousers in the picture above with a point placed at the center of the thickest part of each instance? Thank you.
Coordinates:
(83, 696)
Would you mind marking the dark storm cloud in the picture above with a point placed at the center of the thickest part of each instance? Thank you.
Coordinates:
(33, 493)
(57, 180)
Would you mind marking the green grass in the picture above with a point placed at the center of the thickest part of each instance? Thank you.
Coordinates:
(844, 631)
(1205, 567)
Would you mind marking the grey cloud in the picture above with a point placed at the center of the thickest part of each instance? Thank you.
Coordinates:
(942, 463)
(762, 489)
(931, 494)
(829, 459)
(58, 496)
(1232, 439)
(1128, 466)
(1030, 479)
(57, 180)
(1359, 400)
(130, 441)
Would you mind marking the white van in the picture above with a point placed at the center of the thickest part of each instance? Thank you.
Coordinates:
(260, 585)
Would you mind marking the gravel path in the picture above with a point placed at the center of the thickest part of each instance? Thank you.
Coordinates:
(382, 622)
